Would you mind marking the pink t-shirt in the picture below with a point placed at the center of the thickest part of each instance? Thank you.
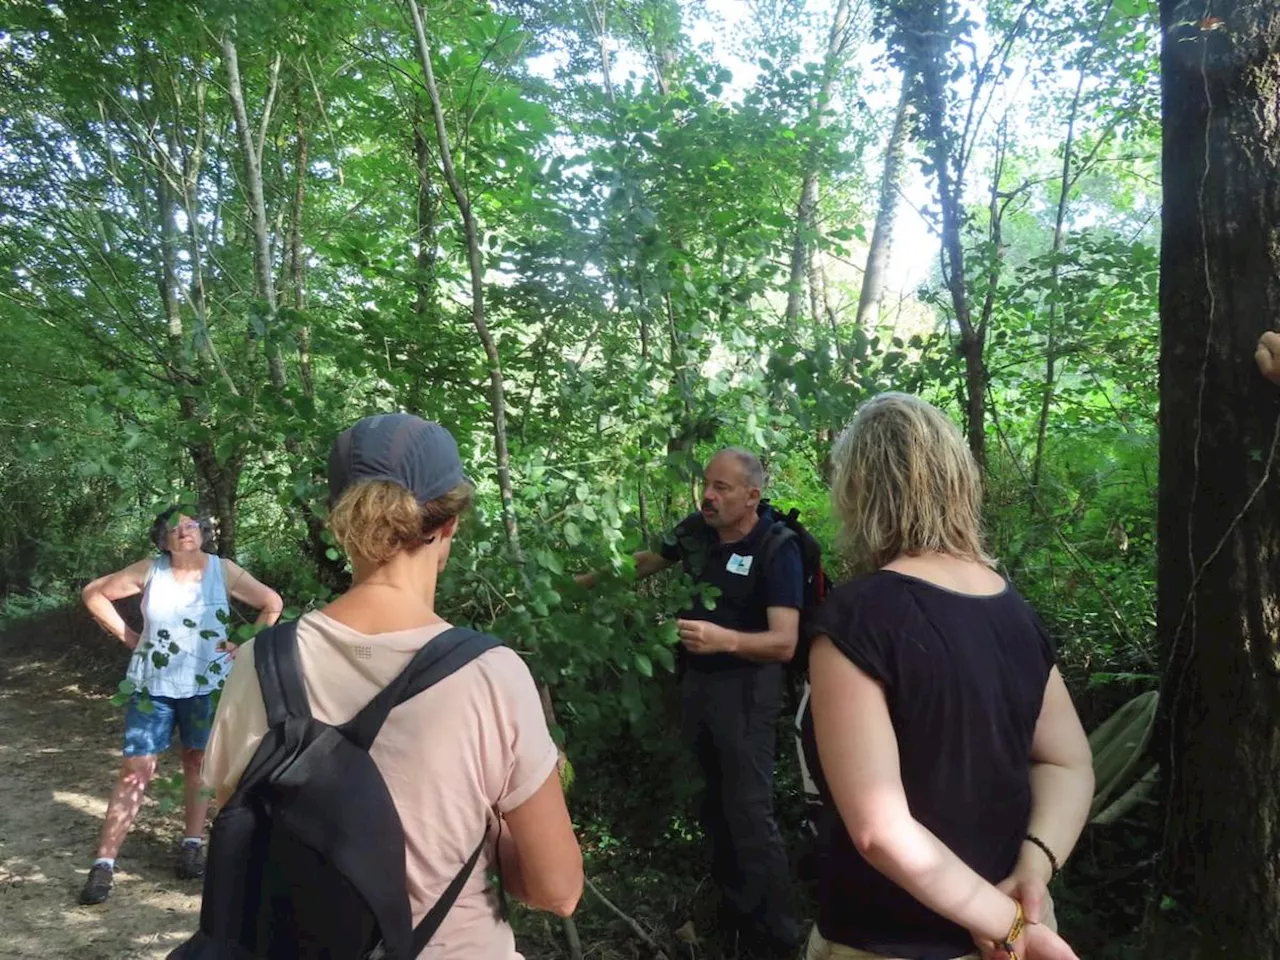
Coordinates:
(473, 746)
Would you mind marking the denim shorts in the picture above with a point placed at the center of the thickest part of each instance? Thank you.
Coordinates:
(148, 725)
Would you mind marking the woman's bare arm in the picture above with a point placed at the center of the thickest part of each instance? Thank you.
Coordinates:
(541, 861)
(243, 587)
(1061, 780)
(100, 594)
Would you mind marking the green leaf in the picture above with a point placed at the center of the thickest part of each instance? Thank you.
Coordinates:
(644, 665)
(549, 561)
(190, 624)
(332, 554)
(572, 533)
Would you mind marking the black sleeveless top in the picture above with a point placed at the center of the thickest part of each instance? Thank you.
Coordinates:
(964, 678)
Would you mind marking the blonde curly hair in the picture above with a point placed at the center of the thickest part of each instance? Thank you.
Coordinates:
(375, 519)
(905, 482)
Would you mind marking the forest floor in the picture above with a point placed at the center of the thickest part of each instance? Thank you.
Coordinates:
(59, 754)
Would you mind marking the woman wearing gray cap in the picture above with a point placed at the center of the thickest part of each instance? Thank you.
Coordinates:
(469, 758)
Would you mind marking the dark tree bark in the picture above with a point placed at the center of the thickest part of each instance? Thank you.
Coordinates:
(1218, 591)
(217, 485)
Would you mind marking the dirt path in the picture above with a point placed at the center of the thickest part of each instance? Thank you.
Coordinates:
(59, 752)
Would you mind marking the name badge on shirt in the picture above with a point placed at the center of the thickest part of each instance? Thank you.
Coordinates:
(739, 565)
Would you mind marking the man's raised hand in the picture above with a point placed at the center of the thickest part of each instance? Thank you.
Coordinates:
(1267, 356)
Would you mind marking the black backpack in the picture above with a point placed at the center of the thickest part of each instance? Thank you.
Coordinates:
(307, 859)
(817, 584)
(816, 587)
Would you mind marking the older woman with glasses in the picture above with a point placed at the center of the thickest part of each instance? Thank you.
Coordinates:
(179, 659)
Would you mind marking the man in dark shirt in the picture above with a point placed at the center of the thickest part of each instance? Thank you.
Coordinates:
(732, 653)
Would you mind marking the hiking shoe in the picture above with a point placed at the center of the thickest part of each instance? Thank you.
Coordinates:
(190, 862)
(98, 887)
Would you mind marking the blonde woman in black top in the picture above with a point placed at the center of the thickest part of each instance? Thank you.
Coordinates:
(952, 758)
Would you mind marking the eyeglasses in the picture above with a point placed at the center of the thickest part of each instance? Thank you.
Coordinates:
(190, 526)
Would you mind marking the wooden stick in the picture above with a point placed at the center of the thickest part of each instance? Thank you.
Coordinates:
(638, 930)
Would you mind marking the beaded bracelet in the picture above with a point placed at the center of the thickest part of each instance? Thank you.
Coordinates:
(1053, 861)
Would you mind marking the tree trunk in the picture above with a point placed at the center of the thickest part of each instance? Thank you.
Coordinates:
(815, 280)
(1218, 592)
(297, 258)
(1069, 179)
(497, 388)
(168, 279)
(837, 42)
(882, 233)
(217, 484)
(264, 274)
(428, 216)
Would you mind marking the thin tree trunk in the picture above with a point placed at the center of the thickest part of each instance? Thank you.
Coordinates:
(217, 485)
(804, 218)
(837, 43)
(427, 214)
(1051, 341)
(168, 279)
(814, 278)
(264, 275)
(953, 266)
(497, 391)
(217, 482)
(873, 278)
(297, 258)
(601, 21)
(1218, 567)
(192, 162)
(924, 38)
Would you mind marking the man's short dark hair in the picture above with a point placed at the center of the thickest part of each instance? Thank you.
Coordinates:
(752, 468)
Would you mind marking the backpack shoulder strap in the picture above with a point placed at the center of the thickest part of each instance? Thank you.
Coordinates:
(425, 930)
(275, 660)
(774, 538)
(438, 658)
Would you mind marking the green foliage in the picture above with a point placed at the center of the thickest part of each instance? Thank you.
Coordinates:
(636, 218)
